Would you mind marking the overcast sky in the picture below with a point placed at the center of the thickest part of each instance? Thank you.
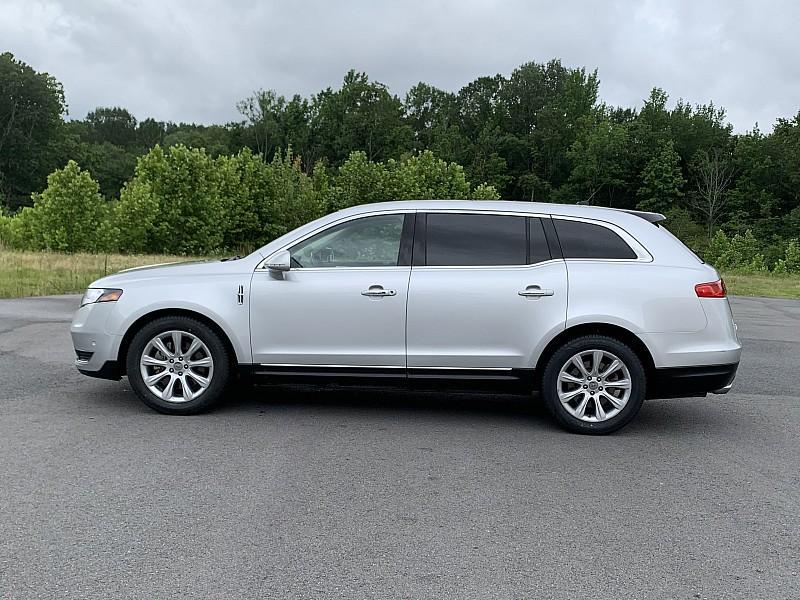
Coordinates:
(185, 60)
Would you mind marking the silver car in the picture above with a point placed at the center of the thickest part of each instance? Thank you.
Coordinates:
(594, 308)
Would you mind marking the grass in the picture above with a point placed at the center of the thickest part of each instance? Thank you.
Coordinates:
(763, 284)
(47, 273)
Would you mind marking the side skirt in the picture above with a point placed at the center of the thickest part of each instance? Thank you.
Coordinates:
(508, 380)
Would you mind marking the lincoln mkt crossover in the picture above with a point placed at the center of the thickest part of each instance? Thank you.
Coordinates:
(593, 309)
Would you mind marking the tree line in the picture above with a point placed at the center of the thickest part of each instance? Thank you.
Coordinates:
(540, 134)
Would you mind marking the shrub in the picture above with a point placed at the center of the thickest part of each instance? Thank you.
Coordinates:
(5, 228)
(242, 192)
(176, 194)
(70, 215)
(421, 176)
(790, 263)
(424, 176)
(358, 181)
(292, 197)
(484, 192)
(182, 201)
(135, 216)
(740, 252)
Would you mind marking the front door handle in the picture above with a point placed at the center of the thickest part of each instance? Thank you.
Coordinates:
(534, 291)
(377, 291)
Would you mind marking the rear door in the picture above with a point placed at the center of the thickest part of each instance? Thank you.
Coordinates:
(484, 294)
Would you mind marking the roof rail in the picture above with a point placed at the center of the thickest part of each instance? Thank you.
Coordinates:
(651, 217)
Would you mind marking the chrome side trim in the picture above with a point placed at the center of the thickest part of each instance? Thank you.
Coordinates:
(312, 366)
(488, 267)
(466, 368)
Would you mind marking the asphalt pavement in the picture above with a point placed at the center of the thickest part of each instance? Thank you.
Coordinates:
(300, 492)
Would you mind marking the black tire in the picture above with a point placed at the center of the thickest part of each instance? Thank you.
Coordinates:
(221, 365)
(550, 384)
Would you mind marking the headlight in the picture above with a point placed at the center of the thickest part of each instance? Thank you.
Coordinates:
(93, 295)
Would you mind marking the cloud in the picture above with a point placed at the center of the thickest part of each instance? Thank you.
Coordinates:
(193, 60)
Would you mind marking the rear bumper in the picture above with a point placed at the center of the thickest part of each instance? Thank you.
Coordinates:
(679, 382)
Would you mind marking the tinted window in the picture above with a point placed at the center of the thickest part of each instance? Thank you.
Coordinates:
(539, 250)
(475, 240)
(368, 242)
(585, 240)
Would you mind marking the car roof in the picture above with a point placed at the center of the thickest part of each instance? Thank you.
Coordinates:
(568, 210)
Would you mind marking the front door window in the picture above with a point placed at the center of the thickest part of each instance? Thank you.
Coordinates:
(367, 242)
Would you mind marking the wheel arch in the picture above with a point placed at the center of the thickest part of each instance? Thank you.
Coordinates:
(615, 331)
(122, 355)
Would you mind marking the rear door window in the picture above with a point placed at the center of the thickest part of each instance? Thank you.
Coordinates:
(587, 240)
(456, 240)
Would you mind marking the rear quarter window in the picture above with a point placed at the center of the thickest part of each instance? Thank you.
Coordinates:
(587, 240)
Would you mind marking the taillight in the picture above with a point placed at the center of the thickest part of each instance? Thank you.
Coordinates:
(712, 289)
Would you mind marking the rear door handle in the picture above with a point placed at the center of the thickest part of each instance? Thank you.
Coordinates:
(534, 291)
(377, 291)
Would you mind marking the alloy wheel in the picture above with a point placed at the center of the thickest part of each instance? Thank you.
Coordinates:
(176, 366)
(594, 385)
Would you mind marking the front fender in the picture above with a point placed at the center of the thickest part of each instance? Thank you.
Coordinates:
(220, 304)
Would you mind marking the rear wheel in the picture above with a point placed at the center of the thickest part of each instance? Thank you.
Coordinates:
(594, 384)
(178, 365)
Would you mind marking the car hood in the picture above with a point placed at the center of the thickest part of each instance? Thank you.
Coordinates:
(172, 270)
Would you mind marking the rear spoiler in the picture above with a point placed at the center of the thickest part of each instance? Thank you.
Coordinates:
(650, 217)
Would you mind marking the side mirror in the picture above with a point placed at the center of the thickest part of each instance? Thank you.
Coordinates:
(280, 261)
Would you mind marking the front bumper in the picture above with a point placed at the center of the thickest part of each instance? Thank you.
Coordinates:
(95, 347)
(109, 370)
(681, 382)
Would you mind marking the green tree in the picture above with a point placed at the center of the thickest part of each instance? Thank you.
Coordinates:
(109, 164)
(598, 159)
(214, 139)
(543, 110)
(263, 112)
(31, 109)
(662, 181)
(360, 116)
(113, 125)
(686, 229)
(712, 173)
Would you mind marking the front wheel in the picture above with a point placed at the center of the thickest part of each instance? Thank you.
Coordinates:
(594, 384)
(178, 365)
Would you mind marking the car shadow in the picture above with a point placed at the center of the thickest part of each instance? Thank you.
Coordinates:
(338, 398)
(679, 416)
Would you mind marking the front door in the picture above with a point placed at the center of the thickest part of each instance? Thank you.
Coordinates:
(342, 303)
(484, 293)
